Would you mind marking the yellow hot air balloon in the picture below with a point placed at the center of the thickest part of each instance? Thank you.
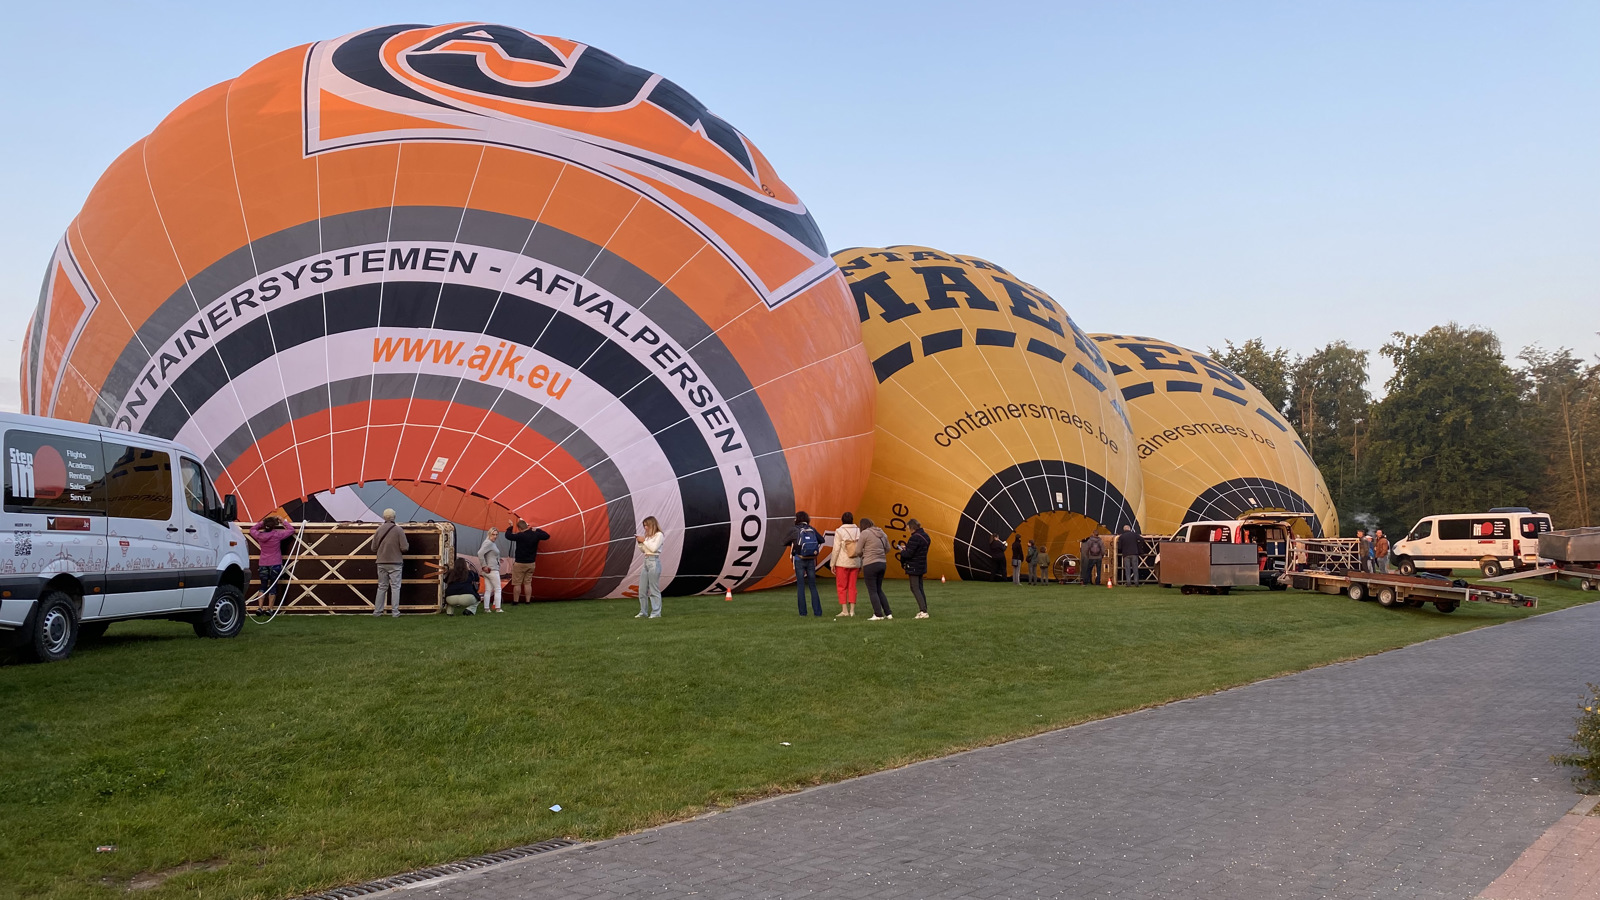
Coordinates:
(462, 271)
(997, 416)
(1211, 446)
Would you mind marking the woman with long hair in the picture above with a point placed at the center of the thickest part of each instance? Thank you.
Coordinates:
(489, 564)
(914, 559)
(461, 589)
(650, 574)
(270, 533)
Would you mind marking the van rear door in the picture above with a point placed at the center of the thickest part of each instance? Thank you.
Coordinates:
(144, 529)
(54, 518)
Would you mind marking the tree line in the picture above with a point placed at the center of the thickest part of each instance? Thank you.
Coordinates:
(1459, 428)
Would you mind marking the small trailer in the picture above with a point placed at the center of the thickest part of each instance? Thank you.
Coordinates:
(1393, 590)
(1207, 568)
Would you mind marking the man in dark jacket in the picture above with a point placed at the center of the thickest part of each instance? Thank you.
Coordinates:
(805, 541)
(525, 545)
(1094, 550)
(1130, 546)
(997, 557)
(1016, 560)
(914, 559)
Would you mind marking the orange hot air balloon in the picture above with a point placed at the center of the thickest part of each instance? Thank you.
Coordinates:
(463, 271)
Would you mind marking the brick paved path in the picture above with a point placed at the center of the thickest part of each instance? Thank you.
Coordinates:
(1418, 773)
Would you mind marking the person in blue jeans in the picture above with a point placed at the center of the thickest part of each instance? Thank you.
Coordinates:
(805, 542)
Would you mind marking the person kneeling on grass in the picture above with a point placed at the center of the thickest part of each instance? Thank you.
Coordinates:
(461, 589)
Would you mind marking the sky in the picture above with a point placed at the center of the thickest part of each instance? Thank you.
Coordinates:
(1197, 172)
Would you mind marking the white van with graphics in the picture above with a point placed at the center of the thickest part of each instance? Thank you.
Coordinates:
(105, 525)
(1492, 542)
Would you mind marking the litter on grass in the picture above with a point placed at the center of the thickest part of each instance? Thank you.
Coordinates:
(106, 848)
(556, 808)
(785, 743)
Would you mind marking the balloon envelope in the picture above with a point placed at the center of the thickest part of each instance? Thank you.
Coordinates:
(1210, 444)
(465, 271)
(996, 414)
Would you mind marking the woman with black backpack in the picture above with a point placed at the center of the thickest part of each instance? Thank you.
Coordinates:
(806, 541)
(914, 559)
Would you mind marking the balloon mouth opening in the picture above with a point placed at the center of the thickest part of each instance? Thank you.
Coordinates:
(412, 501)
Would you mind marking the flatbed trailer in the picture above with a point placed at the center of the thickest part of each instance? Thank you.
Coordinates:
(1587, 575)
(1394, 591)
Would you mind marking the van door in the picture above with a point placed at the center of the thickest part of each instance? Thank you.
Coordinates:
(201, 534)
(54, 518)
(144, 529)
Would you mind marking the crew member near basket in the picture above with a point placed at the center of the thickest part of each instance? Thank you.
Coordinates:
(525, 542)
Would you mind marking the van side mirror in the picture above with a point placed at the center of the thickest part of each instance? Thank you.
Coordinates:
(230, 509)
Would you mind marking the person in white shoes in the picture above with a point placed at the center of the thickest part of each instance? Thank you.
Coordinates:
(650, 575)
(846, 562)
(489, 565)
(874, 562)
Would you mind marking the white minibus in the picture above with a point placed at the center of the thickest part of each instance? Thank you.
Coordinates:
(1492, 542)
(102, 526)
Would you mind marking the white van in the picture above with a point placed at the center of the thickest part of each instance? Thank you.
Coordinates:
(1492, 542)
(1269, 531)
(105, 525)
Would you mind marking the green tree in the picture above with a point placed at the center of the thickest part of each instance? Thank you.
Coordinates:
(1330, 406)
(1447, 437)
(1267, 369)
(1560, 417)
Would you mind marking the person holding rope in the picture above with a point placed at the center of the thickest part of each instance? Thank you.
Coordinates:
(269, 534)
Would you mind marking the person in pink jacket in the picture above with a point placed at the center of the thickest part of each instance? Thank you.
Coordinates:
(270, 533)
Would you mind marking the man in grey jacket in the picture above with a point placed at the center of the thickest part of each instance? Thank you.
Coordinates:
(390, 544)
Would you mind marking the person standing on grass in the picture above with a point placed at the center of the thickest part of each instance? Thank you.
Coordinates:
(997, 557)
(1094, 551)
(1130, 546)
(806, 542)
(489, 565)
(270, 534)
(1035, 557)
(524, 557)
(1380, 552)
(1369, 559)
(390, 545)
(846, 563)
(1361, 549)
(461, 589)
(874, 563)
(914, 559)
(1016, 560)
(650, 575)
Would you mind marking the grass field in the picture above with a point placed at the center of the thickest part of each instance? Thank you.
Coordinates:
(314, 752)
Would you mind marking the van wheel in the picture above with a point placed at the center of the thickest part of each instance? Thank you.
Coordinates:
(55, 628)
(1408, 566)
(1491, 568)
(1358, 591)
(224, 617)
(1386, 598)
(92, 631)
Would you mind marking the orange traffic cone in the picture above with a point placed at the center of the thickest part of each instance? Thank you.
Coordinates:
(728, 595)
(941, 579)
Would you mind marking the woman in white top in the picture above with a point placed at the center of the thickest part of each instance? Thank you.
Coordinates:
(489, 565)
(846, 563)
(650, 576)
